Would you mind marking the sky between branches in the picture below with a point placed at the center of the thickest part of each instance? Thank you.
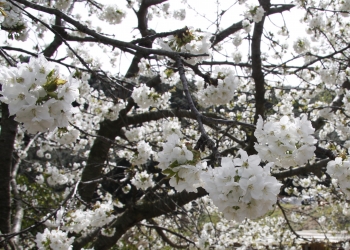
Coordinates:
(198, 15)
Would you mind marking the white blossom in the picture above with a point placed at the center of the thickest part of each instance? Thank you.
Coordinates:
(146, 97)
(255, 13)
(112, 14)
(142, 180)
(287, 142)
(55, 239)
(37, 96)
(223, 92)
(241, 188)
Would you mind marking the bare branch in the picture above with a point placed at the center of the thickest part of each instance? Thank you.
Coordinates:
(238, 26)
(314, 168)
(160, 230)
(204, 137)
(104, 39)
(144, 210)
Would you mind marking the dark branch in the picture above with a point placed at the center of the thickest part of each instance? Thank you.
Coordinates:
(314, 168)
(238, 26)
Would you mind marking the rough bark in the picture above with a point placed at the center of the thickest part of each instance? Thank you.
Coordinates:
(257, 73)
(99, 152)
(7, 139)
(146, 210)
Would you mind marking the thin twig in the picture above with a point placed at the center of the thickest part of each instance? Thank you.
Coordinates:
(204, 136)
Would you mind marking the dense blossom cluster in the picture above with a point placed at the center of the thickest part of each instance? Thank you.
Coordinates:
(56, 177)
(70, 135)
(255, 13)
(112, 14)
(241, 188)
(142, 180)
(97, 104)
(146, 97)
(135, 134)
(256, 234)
(220, 94)
(36, 94)
(171, 127)
(82, 220)
(54, 239)
(63, 4)
(339, 169)
(173, 150)
(96, 165)
(347, 101)
(144, 151)
(12, 19)
(287, 142)
(178, 162)
(180, 14)
(301, 45)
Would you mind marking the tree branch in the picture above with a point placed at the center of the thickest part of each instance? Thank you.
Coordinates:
(160, 232)
(315, 168)
(204, 137)
(238, 26)
(257, 73)
(7, 140)
(144, 210)
(57, 41)
(104, 39)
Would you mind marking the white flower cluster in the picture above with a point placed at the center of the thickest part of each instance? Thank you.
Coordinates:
(246, 26)
(237, 40)
(179, 14)
(192, 42)
(99, 106)
(287, 142)
(37, 96)
(63, 4)
(173, 151)
(220, 94)
(237, 56)
(135, 134)
(56, 178)
(340, 169)
(346, 101)
(301, 45)
(146, 97)
(285, 106)
(187, 177)
(112, 14)
(142, 180)
(317, 22)
(332, 76)
(71, 135)
(110, 109)
(144, 150)
(171, 126)
(255, 13)
(177, 162)
(241, 188)
(80, 220)
(54, 239)
(168, 76)
(12, 19)
(146, 68)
